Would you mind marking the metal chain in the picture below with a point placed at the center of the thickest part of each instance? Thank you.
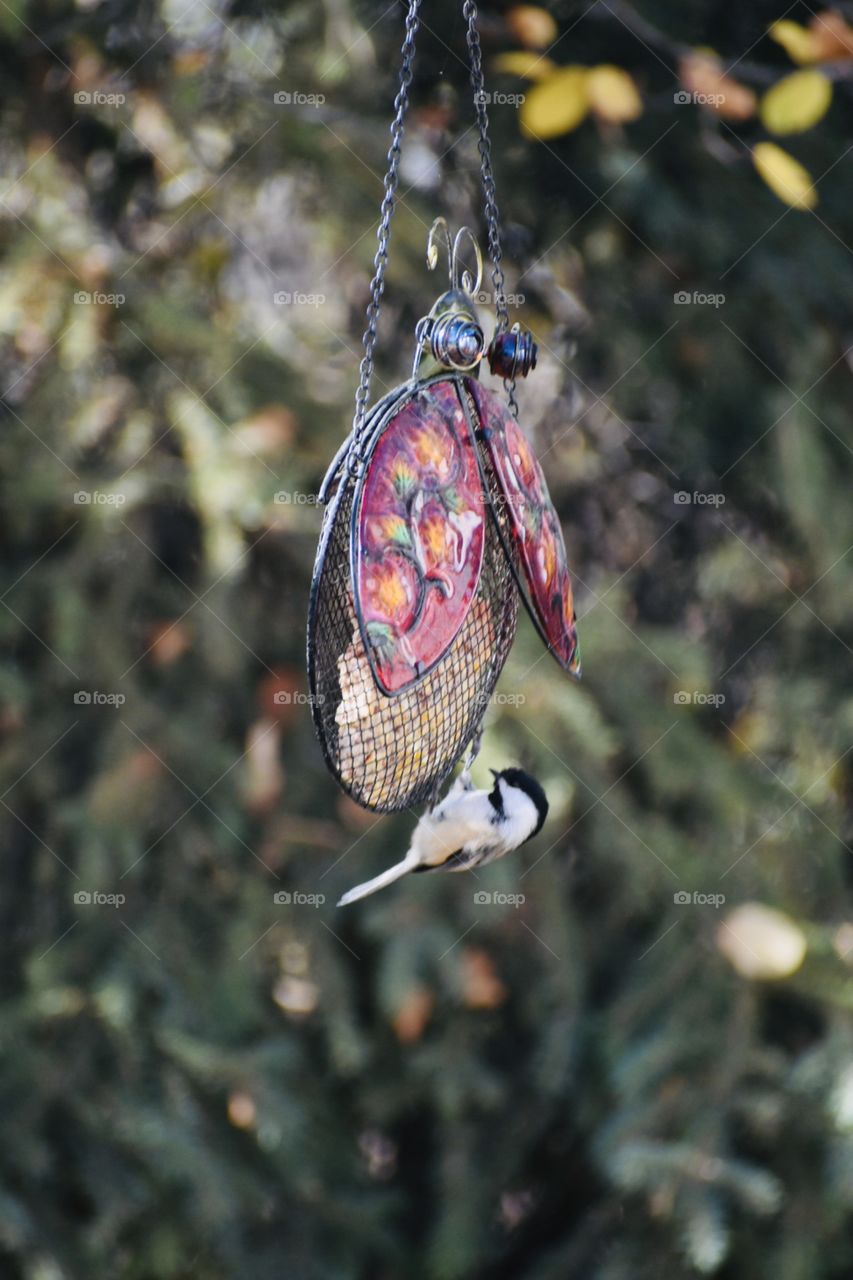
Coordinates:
(383, 234)
(478, 84)
(469, 9)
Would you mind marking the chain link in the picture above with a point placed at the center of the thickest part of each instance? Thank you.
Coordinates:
(383, 234)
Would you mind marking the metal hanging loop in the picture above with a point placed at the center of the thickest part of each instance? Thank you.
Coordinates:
(439, 227)
(460, 277)
(458, 274)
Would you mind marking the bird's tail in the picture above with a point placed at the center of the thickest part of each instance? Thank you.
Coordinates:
(378, 882)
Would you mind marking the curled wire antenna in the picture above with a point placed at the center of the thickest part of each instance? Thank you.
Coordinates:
(458, 275)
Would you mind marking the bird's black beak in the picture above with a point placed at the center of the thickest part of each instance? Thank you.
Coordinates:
(495, 774)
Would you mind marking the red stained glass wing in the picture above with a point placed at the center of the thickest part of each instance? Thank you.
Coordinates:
(419, 536)
(546, 587)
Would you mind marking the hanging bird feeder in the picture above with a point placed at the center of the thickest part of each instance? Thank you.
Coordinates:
(438, 517)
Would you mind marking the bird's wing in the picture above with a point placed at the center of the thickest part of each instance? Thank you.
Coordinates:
(459, 860)
(460, 820)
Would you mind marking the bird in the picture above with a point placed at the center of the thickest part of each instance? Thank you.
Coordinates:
(468, 828)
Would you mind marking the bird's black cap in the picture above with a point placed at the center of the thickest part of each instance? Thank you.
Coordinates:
(527, 784)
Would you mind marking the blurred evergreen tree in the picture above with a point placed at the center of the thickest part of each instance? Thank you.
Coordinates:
(608, 1081)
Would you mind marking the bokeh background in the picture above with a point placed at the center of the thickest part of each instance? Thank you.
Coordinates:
(645, 1067)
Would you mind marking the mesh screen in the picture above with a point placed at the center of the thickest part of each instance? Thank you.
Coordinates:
(389, 753)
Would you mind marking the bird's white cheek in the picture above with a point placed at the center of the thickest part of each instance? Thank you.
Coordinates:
(520, 821)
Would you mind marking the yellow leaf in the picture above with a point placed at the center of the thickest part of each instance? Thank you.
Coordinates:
(785, 176)
(532, 26)
(522, 62)
(796, 103)
(797, 41)
(556, 105)
(612, 94)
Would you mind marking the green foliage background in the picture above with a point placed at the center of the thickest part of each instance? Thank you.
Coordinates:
(204, 1083)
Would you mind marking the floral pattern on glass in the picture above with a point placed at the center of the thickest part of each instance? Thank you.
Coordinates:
(420, 534)
(535, 527)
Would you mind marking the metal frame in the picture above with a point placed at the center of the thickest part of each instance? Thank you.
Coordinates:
(509, 551)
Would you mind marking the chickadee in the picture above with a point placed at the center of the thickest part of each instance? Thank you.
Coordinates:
(469, 828)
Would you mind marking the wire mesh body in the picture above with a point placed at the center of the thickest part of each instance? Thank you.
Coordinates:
(391, 752)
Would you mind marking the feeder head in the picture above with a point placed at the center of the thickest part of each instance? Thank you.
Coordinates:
(451, 336)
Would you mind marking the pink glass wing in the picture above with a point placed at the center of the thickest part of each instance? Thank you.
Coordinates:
(535, 527)
(420, 533)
